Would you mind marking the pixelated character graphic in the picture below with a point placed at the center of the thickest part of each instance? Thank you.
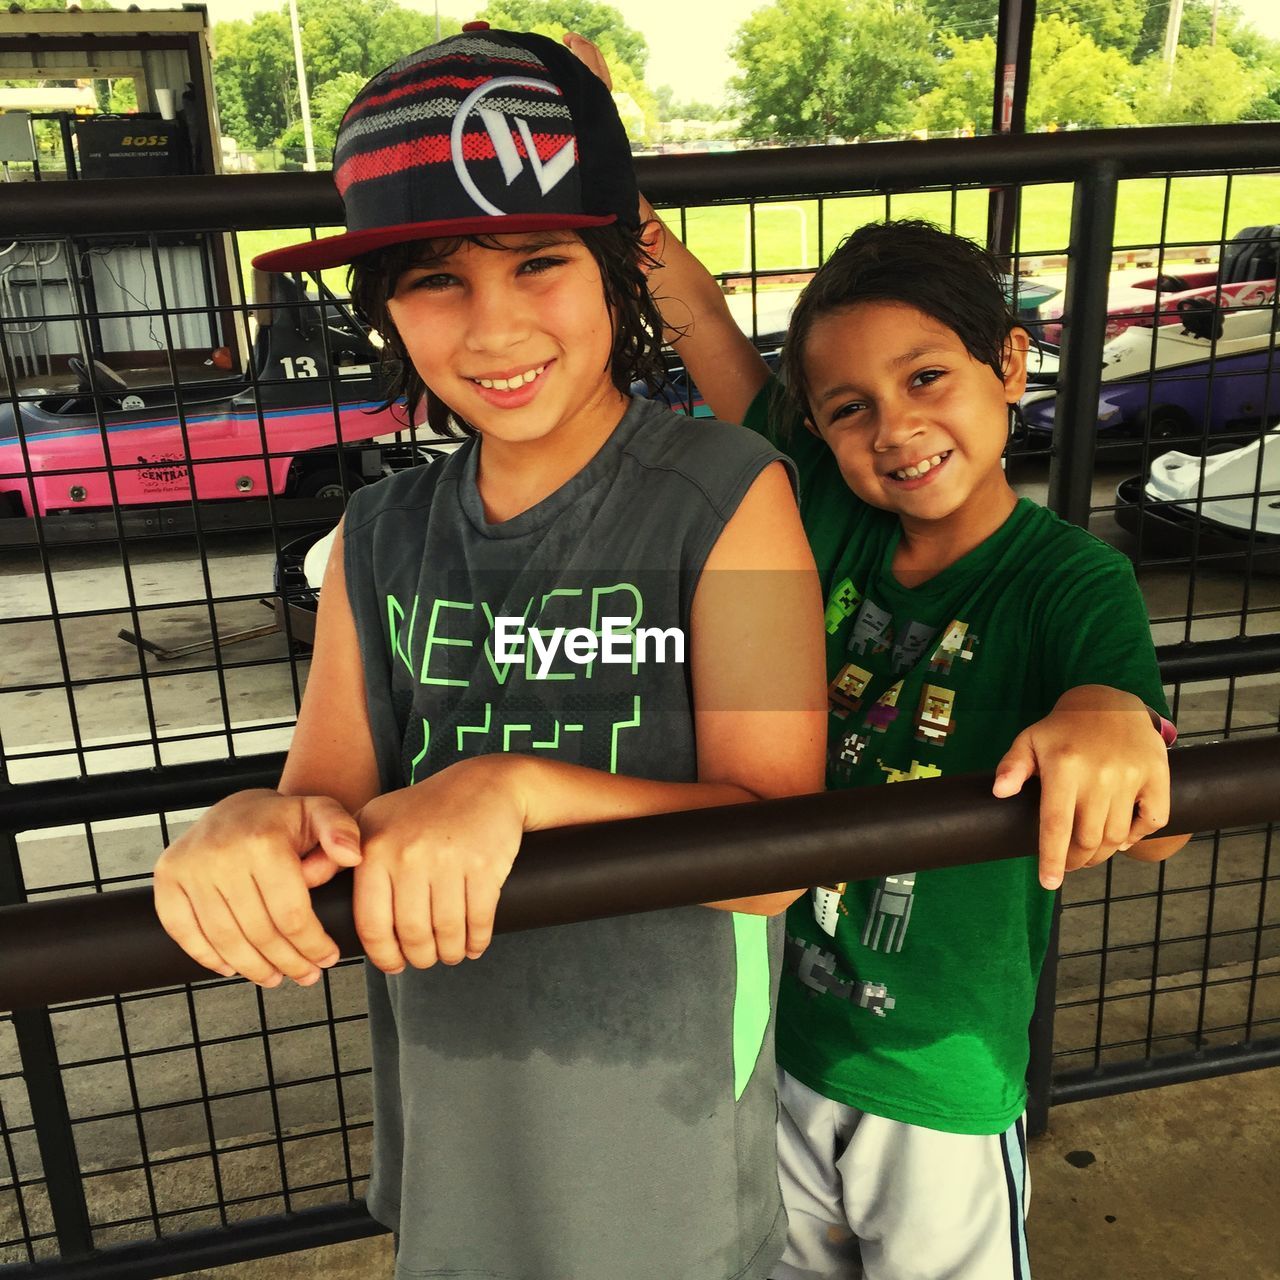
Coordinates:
(827, 905)
(817, 970)
(890, 912)
(935, 717)
(873, 626)
(851, 749)
(844, 599)
(884, 711)
(956, 643)
(913, 640)
(916, 773)
(845, 692)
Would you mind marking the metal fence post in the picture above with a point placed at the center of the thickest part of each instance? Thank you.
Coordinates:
(33, 1030)
(1075, 426)
(1075, 433)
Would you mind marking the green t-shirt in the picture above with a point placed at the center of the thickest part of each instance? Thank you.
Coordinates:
(909, 996)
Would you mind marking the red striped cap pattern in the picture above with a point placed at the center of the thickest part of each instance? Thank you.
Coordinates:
(484, 132)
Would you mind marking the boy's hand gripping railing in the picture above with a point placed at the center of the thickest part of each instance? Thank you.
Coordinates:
(99, 944)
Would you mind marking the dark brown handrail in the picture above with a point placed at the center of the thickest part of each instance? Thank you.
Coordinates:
(251, 201)
(100, 944)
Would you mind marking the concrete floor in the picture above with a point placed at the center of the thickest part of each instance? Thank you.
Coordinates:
(1180, 1183)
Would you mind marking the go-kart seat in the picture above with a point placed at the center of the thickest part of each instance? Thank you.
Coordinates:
(1200, 317)
(1253, 253)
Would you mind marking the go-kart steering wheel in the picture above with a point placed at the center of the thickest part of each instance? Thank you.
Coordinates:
(93, 378)
(96, 376)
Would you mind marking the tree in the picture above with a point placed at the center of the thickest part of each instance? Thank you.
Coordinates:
(1113, 25)
(962, 96)
(601, 23)
(1210, 85)
(1074, 82)
(816, 69)
(329, 104)
(254, 76)
(44, 6)
(965, 19)
(340, 37)
(1197, 23)
(1256, 52)
(253, 70)
(1116, 24)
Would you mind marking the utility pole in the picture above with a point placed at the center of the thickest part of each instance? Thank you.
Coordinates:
(1213, 25)
(303, 96)
(1171, 32)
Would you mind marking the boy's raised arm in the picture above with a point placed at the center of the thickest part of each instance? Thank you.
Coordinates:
(718, 355)
(728, 370)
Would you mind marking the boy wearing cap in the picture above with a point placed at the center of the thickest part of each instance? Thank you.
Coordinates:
(593, 1102)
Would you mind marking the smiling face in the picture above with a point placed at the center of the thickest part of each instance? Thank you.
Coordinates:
(916, 424)
(515, 338)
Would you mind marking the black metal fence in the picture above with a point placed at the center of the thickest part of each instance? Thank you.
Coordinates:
(225, 1122)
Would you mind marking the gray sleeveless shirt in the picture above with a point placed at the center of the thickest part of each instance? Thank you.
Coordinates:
(592, 1102)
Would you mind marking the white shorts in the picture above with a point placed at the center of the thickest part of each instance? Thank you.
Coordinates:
(877, 1199)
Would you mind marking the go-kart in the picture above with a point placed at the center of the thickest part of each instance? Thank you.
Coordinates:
(1224, 505)
(1217, 370)
(1245, 278)
(296, 424)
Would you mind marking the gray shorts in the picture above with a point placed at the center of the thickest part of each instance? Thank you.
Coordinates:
(875, 1199)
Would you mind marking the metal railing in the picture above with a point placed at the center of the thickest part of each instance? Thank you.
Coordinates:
(84, 1125)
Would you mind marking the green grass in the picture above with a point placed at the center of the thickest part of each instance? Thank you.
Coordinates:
(787, 234)
(785, 238)
(252, 243)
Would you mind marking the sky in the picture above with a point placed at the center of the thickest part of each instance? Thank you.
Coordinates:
(688, 39)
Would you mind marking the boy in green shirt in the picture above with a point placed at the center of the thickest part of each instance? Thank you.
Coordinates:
(966, 630)
(957, 616)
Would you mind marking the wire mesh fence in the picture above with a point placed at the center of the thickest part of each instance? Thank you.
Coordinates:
(167, 1114)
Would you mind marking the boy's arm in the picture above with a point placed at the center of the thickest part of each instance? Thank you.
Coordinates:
(720, 358)
(1104, 781)
(718, 355)
(1103, 766)
(431, 859)
(435, 860)
(233, 891)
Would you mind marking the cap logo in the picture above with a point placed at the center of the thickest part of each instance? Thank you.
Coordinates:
(548, 173)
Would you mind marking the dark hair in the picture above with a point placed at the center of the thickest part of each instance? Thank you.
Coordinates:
(949, 278)
(620, 254)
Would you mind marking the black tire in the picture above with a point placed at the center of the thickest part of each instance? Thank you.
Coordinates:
(1166, 422)
(325, 483)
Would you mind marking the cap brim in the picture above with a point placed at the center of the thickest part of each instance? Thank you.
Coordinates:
(335, 251)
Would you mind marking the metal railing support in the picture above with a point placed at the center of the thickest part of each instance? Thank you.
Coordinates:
(1180, 1068)
(1075, 426)
(37, 1051)
(212, 1247)
(1075, 435)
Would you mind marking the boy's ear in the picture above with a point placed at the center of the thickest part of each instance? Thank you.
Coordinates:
(1014, 362)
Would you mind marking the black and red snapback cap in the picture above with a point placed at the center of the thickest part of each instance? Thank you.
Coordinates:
(484, 133)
